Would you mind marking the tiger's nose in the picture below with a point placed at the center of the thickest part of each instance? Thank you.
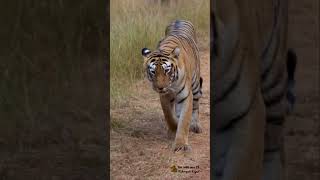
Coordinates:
(162, 90)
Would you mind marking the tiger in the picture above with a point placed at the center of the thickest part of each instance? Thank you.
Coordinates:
(173, 69)
(252, 83)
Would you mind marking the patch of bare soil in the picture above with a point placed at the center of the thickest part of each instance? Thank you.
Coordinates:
(139, 147)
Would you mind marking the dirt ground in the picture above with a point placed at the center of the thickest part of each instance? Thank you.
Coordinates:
(302, 131)
(139, 147)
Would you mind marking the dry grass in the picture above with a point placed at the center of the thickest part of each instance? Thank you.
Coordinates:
(52, 90)
(136, 24)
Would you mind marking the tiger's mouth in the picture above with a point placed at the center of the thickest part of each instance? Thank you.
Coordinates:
(161, 90)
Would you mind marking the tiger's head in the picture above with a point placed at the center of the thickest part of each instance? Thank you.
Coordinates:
(161, 68)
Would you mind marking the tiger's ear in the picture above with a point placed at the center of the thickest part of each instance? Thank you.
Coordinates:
(176, 52)
(145, 52)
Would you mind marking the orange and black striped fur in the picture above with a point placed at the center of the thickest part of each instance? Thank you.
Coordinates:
(253, 88)
(174, 72)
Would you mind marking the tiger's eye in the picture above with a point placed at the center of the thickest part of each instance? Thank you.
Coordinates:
(151, 71)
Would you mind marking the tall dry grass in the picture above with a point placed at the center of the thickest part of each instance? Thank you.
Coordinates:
(135, 24)
(53, 84)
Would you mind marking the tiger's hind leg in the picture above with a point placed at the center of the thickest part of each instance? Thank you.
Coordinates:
(291, 68)
(197, 93)
(195, 124)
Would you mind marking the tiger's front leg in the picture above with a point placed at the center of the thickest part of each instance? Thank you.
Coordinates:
(167, 104)
(184, 114)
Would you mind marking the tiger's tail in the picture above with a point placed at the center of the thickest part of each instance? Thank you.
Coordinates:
(291, 68)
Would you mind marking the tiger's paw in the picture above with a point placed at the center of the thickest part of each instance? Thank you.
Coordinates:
(181, 148)
(196, 128)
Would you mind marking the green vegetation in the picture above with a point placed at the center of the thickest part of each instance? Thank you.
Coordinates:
(135, 24)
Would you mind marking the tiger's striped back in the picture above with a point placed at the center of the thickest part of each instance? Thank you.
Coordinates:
(180, 33)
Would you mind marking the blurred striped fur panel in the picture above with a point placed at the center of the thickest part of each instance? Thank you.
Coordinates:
(253, 73)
